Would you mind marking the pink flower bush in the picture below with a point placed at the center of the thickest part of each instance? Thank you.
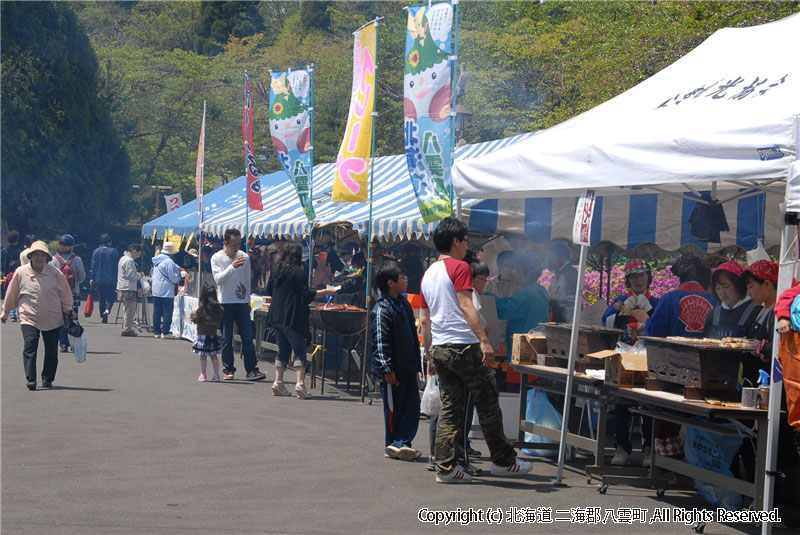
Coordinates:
(663, 282)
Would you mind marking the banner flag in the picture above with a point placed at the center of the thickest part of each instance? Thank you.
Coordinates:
(253, 184)
(352, 163)
(198, 173)
(173, 201)
(426, 107)
(584, 213)
(290, 117)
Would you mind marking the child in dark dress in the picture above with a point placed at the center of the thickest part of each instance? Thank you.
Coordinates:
(207, 317)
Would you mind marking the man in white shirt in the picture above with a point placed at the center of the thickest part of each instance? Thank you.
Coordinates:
(231, 269)
(459, 351)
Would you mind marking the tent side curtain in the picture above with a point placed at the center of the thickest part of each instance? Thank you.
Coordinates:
(631, 220)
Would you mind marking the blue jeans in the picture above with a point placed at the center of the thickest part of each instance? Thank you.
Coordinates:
(401, 428)
(162, 314)
(238, 313)
(63, 338)
(290, 340)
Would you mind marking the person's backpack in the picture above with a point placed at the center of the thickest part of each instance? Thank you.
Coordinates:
(67, 270)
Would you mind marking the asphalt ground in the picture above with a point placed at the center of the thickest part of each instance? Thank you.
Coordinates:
(129, 442)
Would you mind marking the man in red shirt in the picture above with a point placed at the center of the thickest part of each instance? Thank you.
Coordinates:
(459, 351)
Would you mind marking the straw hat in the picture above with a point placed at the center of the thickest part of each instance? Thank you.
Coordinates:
(38, 246)
(169, 248)
(192, 252)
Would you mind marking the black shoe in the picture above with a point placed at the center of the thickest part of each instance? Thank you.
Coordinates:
(105, 317)
(31, 385)
(65, 349)
(472, 470)
(47, 384)
(473, 453)
(129, 333)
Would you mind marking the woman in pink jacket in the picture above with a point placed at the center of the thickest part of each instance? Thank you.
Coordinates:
(42, 296)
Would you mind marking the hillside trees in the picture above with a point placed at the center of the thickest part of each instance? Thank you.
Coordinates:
(63, 166)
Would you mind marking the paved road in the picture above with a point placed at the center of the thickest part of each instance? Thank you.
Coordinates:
(130, 443)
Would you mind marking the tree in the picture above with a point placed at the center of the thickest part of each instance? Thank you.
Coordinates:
(63, 166)
(219, 21)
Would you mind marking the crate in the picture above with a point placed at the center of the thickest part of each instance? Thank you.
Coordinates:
(590, 340)
(702, 369)
(526, 347)
(624, 370)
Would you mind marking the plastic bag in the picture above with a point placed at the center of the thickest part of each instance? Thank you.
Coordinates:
(541, 412)
(79, 345)
(145, 284)
(759, 253)
(87, 312)
(716, 453)
(431, 402)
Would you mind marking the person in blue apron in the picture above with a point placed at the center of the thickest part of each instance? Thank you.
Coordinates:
(736, 313)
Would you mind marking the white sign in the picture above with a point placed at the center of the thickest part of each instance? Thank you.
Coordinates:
(582, 227)
(173, 201)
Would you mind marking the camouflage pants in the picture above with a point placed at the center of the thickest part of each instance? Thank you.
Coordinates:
(460, 366)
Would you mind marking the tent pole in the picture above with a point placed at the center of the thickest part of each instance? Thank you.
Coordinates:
(776, 371)
(368, 299)
(573, 351)
(199, 261)
(776, 389)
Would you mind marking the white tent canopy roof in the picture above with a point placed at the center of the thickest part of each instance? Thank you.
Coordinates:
(725, 111)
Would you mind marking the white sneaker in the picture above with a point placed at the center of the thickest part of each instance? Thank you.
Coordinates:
(456, 476)
(517, 469)
(620, 457)
(392, 452)
(408, 454)
(646, 458)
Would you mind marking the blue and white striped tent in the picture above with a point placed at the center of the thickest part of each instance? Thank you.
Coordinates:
(395, 211)
(183, 220)
(625, 220)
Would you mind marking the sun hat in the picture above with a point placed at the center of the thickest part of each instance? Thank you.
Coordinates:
(192, 252)
(169, 248)
(41, 247)
(66, 239)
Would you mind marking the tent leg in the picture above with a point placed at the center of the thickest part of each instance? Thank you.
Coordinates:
(573, 351)
(776, 388)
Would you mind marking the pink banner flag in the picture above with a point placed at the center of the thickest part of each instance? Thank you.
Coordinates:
(198, 174)
(253, 184)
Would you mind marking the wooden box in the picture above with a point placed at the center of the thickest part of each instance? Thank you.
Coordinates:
(696, 365)
(625, 370)
(590, 340)
(526, 347)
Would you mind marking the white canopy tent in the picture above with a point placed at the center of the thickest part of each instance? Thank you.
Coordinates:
(722, 118)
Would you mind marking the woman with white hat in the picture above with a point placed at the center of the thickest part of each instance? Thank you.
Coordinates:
(42, 296)
(166, 274)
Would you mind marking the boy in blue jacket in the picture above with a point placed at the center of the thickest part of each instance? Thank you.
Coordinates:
(396, 360)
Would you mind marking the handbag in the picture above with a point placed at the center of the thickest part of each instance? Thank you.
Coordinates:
(89, 308)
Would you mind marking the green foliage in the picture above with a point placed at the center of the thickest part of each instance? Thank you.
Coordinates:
(219, 21)
(63, 165)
